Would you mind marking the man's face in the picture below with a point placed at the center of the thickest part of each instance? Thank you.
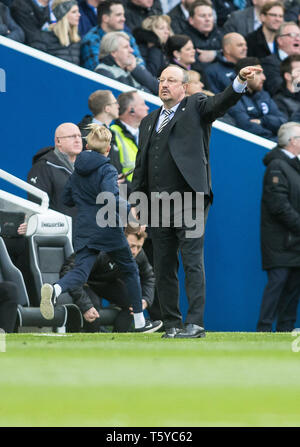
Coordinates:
(135, 244)
(273, 18)
(73, 16)
(171, 87)
(123, 55)
(203, 19)
(68, 139)
(256, 84)
(112, 108)
(139, 106)
(289, 40)
(236, 49)
(143, 3)
(116, 19)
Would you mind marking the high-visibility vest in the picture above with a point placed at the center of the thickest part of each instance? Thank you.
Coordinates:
(127, 150)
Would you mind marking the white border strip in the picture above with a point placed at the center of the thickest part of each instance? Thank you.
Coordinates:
(243, 134)
(88, 74)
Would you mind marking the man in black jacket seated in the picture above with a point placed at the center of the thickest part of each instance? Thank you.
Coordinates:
(105, 281)
(52, 167)
(280, 231)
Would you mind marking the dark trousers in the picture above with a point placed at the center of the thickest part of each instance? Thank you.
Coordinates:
(84, 262)
(167, 243)
(8, 306)
(280, 299)
(154, 310)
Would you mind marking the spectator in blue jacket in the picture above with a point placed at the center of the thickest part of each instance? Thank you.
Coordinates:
(88, 15)
(222, 72)
(256, 111)
(111, 17)
(8, 27)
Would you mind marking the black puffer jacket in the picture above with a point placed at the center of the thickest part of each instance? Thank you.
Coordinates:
(280, 211)
(51, 45)
(106, 271)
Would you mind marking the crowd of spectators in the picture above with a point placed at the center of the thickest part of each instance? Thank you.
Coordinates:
(132, 41)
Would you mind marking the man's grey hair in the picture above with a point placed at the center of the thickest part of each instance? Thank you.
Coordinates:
(286, 132)
(110, 42)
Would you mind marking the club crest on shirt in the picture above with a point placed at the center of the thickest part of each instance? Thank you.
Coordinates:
(264, 108)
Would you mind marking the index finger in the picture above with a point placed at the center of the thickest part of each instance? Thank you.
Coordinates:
(252, 68)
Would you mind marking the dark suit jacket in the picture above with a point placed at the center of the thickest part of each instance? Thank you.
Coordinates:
(189, 134)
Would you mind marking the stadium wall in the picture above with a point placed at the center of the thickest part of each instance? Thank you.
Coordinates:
(39, 91)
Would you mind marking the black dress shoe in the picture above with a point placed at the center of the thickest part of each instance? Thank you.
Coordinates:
(191, 331)
(171, 332)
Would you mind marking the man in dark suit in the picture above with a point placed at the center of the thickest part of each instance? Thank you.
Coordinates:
(173, 157)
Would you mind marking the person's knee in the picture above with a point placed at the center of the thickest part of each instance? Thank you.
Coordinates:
(130, 268)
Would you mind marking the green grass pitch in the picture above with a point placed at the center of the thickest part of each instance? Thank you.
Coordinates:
(138, 380)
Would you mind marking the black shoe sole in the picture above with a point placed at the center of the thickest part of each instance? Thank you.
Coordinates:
(202, 335)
